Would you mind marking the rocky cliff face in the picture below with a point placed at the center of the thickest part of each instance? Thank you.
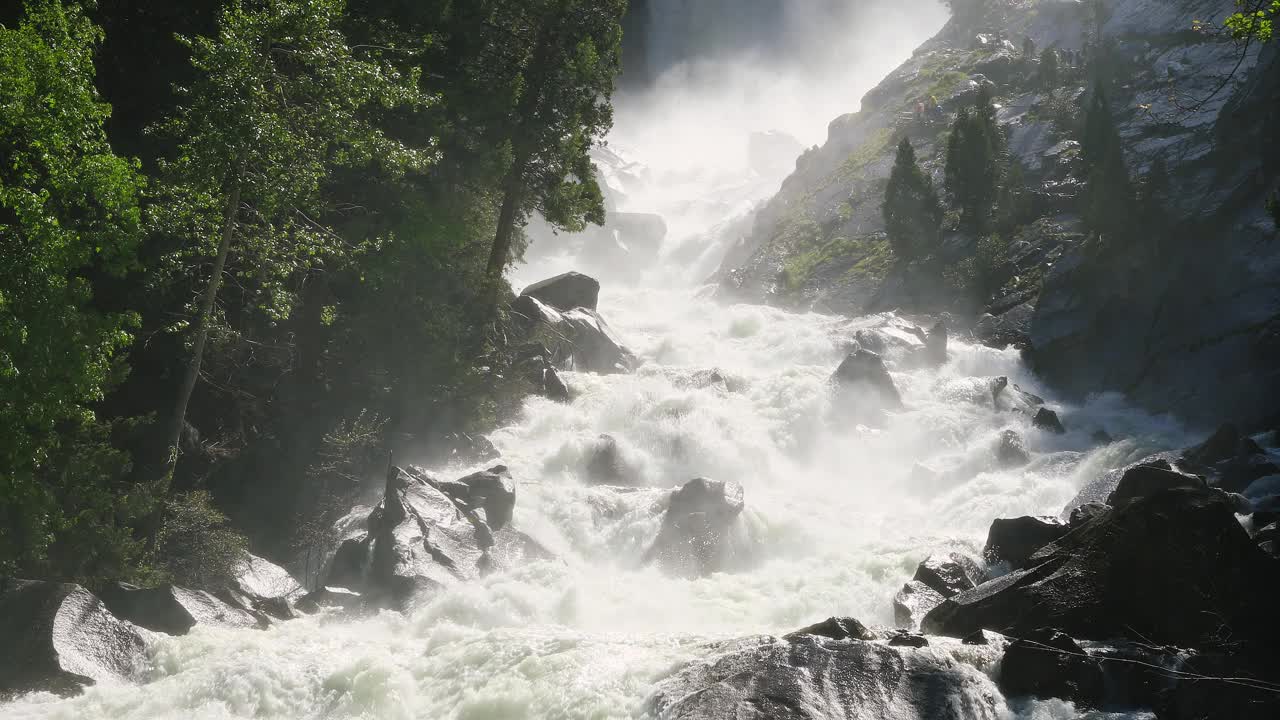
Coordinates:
(1183, 316)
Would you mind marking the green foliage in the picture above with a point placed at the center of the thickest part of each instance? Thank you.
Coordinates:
(981, 274)
(1013, 204)
(68, 213)
(1254, 21)
(973, 169)
(912, 213)
(196, 546)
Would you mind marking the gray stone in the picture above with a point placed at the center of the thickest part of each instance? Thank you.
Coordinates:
(566, 292)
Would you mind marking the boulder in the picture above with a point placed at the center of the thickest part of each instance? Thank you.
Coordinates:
(174, 610)
(807, 677)
(949, 574)
(1085, 513)
(1223, 444)
(863, 379)
(606, 465)
(1009, 396)
(566, 292)
(577, 338)
(1174, 568)
(913, 602)
(845, 628)
(1014, 540)
(1048, 421)
(465, 447)
(1008, 329)
(330, 597)
(1218, 685)
(1148, 479)
(1238, 473)
(258, 577)
(1099, 489)
(935, 344)
(534, 362)
(1047, 664)
(1010, 451)
(694, 540)
(553, 387)
(427, 534)
(59, 638)
(491, 491)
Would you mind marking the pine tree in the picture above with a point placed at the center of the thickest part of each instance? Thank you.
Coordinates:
(972, 172)
(912, 212)
(1109, 195)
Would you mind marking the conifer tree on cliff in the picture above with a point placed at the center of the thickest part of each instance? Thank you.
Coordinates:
(1109, 194)
(912, 212)
(973, 169)
(568, 53)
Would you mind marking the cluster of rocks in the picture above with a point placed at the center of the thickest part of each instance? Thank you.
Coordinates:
(61, 638)
(1160, 598)
(559, 317)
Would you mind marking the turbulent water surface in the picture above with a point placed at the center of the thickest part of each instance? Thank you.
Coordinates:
(839, 514)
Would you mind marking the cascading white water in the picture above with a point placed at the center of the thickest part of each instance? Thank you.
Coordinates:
(837, 513)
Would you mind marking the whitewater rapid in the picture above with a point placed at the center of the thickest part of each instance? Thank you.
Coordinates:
(839, 513)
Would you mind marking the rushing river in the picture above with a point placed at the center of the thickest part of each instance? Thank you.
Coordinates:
(840, 514)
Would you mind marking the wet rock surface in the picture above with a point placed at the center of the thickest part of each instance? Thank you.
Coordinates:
(566, 292)
(696, 535)
(174, 610)
(60, 638)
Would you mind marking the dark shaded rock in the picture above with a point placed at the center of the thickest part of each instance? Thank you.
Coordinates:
(1146, 480)
(1099, 489)
(981, 637)
(1223, 444)
(1047, 420)
(913, 602)
(427, 534)
(1045, 664)
(1238, 473)
(606, 465)
(492, 491)
(577, 338)
(566, 292)
(1102, 437)
(1223, 685)
(1008, 329)
(468, 448)
(1175, 567)
(1009, 396)
(935, 344)
(173, 610)
(1014, 540)
(863, 379)
(812, 678)
(554, 388)
(907, 639)
(59, 638)
(1010, 451)
(694, 538)
(278, 608)
(835, 628)
(949, 574)
(1085, 513)
(330, 597)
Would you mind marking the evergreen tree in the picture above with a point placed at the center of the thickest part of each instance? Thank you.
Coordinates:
(281, 100)
(972, 172)
(912, 213)
(68, 212)
(1109, 194)
(1049, 69)
(1013, 206)
(568, 55)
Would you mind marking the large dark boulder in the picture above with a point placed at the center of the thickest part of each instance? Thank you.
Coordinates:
(935, 344)
(1045, 663)
(566, 292)
(1048, 421)
(937, 578)
(579, 339)
(59, 638)
(174, 610)
(1175, 567)
(807, 677)
(1011, 451)
(1010, 396)
(1224, 685)
(913, 602)
(1148, 479)
(837, 628)
(865, 386)
(1223, 444)
(695, 535)
(427, 534)
(1013, 540)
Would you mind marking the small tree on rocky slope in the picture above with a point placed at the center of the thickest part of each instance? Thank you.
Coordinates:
(973, 168)
(1109, 195)
(912, 212)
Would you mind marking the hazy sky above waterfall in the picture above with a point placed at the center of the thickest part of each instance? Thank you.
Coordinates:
(714, 69)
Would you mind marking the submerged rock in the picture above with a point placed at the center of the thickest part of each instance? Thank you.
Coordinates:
(1011, 452)
(1047, 420)
(937, 578)
(913, 602)
(1175, 567)
(845, 628)
(174, 610)
(807, 677)
(577, 338)
(1047, 664)
(607, 466)
(695, 536)
(1148, 479)
(59, 638)
(566, 292)
(865, 386)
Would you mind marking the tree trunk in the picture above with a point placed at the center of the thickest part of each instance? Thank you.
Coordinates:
(501, 251)
(202, 328)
